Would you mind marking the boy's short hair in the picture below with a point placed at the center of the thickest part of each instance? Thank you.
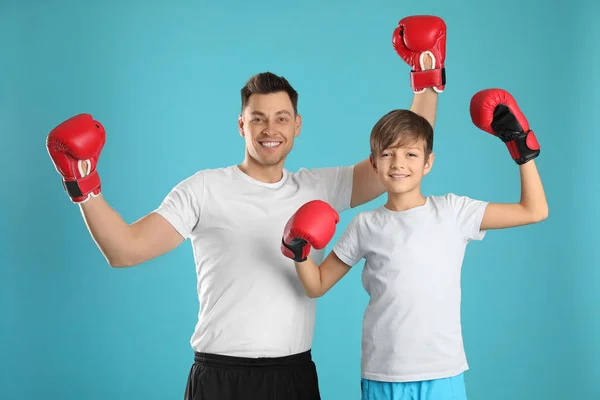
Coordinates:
(402, 126)
(267, 83)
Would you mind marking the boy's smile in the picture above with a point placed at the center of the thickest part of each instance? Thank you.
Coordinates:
(398, 177)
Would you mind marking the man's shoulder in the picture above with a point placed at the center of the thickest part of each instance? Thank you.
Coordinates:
(208, 174)
(320, 172)
(227, 170)
(219, 172)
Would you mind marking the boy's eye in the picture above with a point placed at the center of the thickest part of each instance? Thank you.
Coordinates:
(412, 154)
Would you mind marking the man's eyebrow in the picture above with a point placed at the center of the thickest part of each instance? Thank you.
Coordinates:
(277, 113)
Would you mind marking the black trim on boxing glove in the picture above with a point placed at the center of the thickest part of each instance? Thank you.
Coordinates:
(519, 149)
(72, 188)
(505, 124)
(83, 186)
(507, 128)
(296, 245)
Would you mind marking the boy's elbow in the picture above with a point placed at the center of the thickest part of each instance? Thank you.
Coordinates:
(540, 215)
(121, 262)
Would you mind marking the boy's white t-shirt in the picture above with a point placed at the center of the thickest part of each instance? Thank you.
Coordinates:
(252, 303)
(412, 272)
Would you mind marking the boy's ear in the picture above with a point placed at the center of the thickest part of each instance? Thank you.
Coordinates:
(429, 163)
(373, 163)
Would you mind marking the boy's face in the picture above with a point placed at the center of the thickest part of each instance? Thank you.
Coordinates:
(269, 126)
(401, 169)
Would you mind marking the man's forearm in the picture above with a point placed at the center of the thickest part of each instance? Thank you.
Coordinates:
(425, 104)
(110, 232)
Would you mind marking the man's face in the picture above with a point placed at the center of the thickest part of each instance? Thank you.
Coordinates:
(269, 125)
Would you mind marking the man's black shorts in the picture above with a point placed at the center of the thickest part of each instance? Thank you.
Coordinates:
(218, 377)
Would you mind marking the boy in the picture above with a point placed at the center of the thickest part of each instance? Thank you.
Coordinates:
(413, 248)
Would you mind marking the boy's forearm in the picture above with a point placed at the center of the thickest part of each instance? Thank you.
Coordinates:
(310, 276)
(533, 197)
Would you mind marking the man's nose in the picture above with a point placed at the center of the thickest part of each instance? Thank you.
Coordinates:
(270, 129)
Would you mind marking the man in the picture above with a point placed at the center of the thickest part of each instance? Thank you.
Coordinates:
(255, 324)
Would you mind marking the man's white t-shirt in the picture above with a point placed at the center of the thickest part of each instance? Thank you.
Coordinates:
(252, 303)
(412, 272)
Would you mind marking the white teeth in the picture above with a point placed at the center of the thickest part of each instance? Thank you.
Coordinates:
(399, 176)
(270, 144)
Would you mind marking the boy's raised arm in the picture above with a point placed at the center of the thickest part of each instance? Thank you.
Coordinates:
(496, 112)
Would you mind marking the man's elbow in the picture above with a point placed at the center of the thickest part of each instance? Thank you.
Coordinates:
(118, 263)
(127, 255)
(313, 294)
(359, 200)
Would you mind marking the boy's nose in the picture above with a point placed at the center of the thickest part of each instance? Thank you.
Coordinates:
(397, 165)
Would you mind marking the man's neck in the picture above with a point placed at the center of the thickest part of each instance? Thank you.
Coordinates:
(262, 173)
(405, 201)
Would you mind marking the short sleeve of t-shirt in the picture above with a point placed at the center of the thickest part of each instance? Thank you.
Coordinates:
(338, 185)
(348, 248)
(469, 214)
(182, 206)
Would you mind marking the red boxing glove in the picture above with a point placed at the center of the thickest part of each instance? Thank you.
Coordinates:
(415, 37)
(496, 111)
(313, 225)
(75, 142)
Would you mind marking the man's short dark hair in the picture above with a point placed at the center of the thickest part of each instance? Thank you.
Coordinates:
(266, 83)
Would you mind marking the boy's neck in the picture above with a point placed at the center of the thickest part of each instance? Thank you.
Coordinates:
(405, 201)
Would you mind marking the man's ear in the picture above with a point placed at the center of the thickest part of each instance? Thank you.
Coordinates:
(241, 125)
(373, 163)
(429, 163)
(298, 125)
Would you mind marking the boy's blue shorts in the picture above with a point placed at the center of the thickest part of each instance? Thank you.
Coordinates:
(437, 389)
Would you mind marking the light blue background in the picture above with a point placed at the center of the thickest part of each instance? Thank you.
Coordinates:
(164, 80)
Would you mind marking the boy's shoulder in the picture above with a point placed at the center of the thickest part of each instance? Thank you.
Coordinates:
(363, 218)
(455, 204)
(450, 199)
(368, 214)
(449, 196)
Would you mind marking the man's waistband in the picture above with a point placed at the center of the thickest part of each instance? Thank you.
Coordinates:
(219, 360)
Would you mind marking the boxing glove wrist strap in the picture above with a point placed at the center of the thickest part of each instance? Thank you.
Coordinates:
(79, 189)
(420, 80)
(523, 146)
(296, 249)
